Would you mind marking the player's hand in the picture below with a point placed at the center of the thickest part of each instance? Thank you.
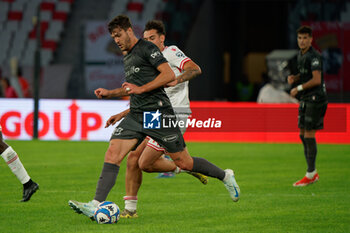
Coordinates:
(172, 83)
(290, 79)
(113, 119)
(132, 88)
(101, 93)
(294, 92)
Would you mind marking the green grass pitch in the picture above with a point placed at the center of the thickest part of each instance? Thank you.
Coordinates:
(265, 173)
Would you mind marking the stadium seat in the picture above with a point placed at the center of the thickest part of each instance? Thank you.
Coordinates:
(135, 6)
(18, 5)
(45, 16)
(14, 15)
(150, 9)
(47, 6)
(118, 7)
(46, 56)
(54, 30)
(60, 15)
(11, 26)
(63, 7)
(4, 9)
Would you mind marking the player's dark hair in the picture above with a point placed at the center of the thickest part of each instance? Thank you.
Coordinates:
(156, 25)
(305, 30)
(121, 21)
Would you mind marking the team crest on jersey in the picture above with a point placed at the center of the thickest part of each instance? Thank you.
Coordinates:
(155, 54)
(315, 62)
(180, 54)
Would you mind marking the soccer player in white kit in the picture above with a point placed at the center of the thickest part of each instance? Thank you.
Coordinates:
(12, 160)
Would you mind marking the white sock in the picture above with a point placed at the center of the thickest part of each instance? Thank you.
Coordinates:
(130, 203)
(311, 175)
(177, 170)
(13, 161)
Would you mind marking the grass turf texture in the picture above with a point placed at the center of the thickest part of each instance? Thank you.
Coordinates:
(265, 173)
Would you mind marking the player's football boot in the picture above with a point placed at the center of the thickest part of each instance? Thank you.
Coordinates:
(202, 178)
(165, 175)
(231, 185)
(88, 209)
(306, 181)
(28, 192)
(128, 214)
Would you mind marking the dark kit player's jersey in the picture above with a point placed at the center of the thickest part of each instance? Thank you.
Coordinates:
(140, 66)
(307, 63)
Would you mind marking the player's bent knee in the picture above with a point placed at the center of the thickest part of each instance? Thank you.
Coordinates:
(144, 166)
(184, 165)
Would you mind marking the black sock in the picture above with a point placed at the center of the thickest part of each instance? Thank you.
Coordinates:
(205, 167)
(28, 184)
(106, 182)
(305, 146)
(311, 153)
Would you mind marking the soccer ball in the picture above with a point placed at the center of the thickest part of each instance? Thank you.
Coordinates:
(107, 212)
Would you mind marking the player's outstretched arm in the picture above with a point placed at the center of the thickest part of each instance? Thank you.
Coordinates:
(103, 93)
(166, 75)
(191, 70)
(117, 117)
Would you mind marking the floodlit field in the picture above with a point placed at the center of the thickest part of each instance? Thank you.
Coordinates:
(265, 173)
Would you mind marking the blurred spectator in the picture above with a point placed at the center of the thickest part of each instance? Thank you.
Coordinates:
(270, 94)
(7, 89)
(24, 84)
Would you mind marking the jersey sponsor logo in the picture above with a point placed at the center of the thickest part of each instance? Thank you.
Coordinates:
(132, 70)
(180, 54)
(151, 120)
(170, 138)
(155, 54)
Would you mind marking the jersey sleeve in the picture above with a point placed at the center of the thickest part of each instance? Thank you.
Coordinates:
(176, 57)
(153, 54)
(316, 63)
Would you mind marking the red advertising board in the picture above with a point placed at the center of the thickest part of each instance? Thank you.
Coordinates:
(209, 121)
(253, 122)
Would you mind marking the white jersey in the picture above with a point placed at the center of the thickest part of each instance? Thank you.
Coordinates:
(178, 94)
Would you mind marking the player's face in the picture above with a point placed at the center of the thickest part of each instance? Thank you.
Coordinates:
(304, 41)
(155, 38)
(122, 39)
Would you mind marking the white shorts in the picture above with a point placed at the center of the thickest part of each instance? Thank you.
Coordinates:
(153, 144)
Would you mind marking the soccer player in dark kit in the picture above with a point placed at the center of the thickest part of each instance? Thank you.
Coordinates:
(313, 100)
(146, 73)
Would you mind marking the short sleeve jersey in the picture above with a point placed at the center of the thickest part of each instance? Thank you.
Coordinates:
(140, 66)
(308, 62)
(178, 94)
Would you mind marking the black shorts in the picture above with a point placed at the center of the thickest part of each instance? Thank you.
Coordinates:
(132, 127)
(311, 115)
